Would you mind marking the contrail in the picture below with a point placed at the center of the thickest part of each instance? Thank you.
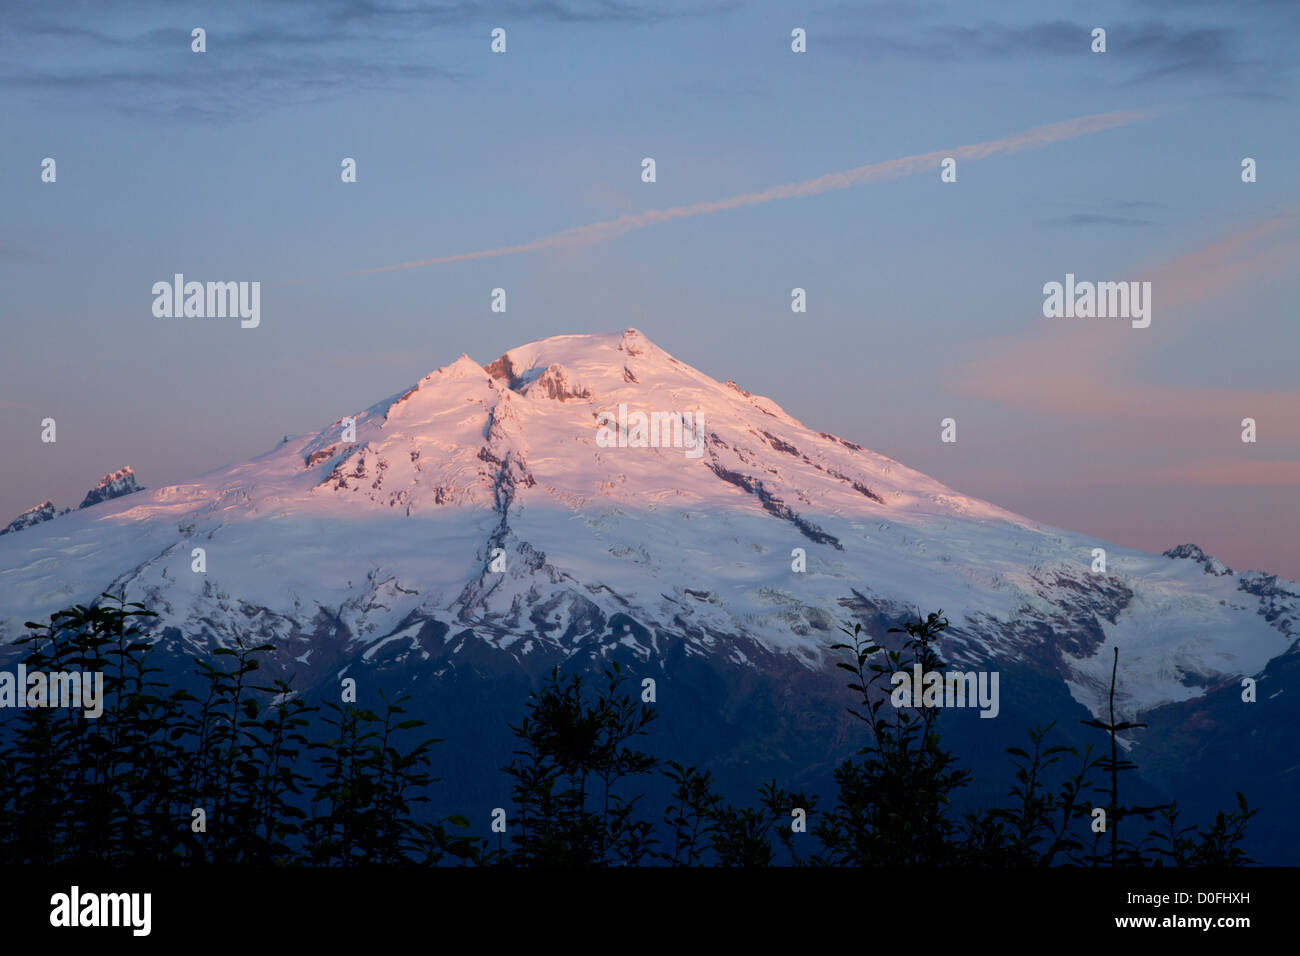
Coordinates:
(612, 228)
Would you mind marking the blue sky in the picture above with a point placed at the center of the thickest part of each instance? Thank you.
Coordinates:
(225, 166)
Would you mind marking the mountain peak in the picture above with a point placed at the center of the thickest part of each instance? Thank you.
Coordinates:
(463, 367)
(582, 481)
(527, 428)
(42, 512)
(635, 343)
(113, 485)
(1209, 563)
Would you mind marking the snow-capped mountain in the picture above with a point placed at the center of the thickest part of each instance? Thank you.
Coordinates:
(459, 538)
(477, 468)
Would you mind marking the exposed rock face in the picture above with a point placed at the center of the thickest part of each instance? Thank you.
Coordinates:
(556, 383)
(1191, 552)
(32, 516)
(114, 485)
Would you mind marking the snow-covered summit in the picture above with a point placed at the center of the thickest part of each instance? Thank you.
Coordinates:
(551, 496)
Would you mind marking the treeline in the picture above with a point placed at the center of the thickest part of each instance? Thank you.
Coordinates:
(239, 774)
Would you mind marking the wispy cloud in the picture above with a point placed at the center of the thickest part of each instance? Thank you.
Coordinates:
(1097, 219)
(11, 250)
(1187, 45)
(1232, 472)
(1034, 138)
(1081, 372)
(263, 54)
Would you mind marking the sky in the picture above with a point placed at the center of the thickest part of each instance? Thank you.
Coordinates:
(924, 298)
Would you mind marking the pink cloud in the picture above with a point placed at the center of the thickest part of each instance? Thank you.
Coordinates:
(1233, 471)
(1091, 371)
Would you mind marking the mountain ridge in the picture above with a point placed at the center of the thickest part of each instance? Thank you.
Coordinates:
(115, 484)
